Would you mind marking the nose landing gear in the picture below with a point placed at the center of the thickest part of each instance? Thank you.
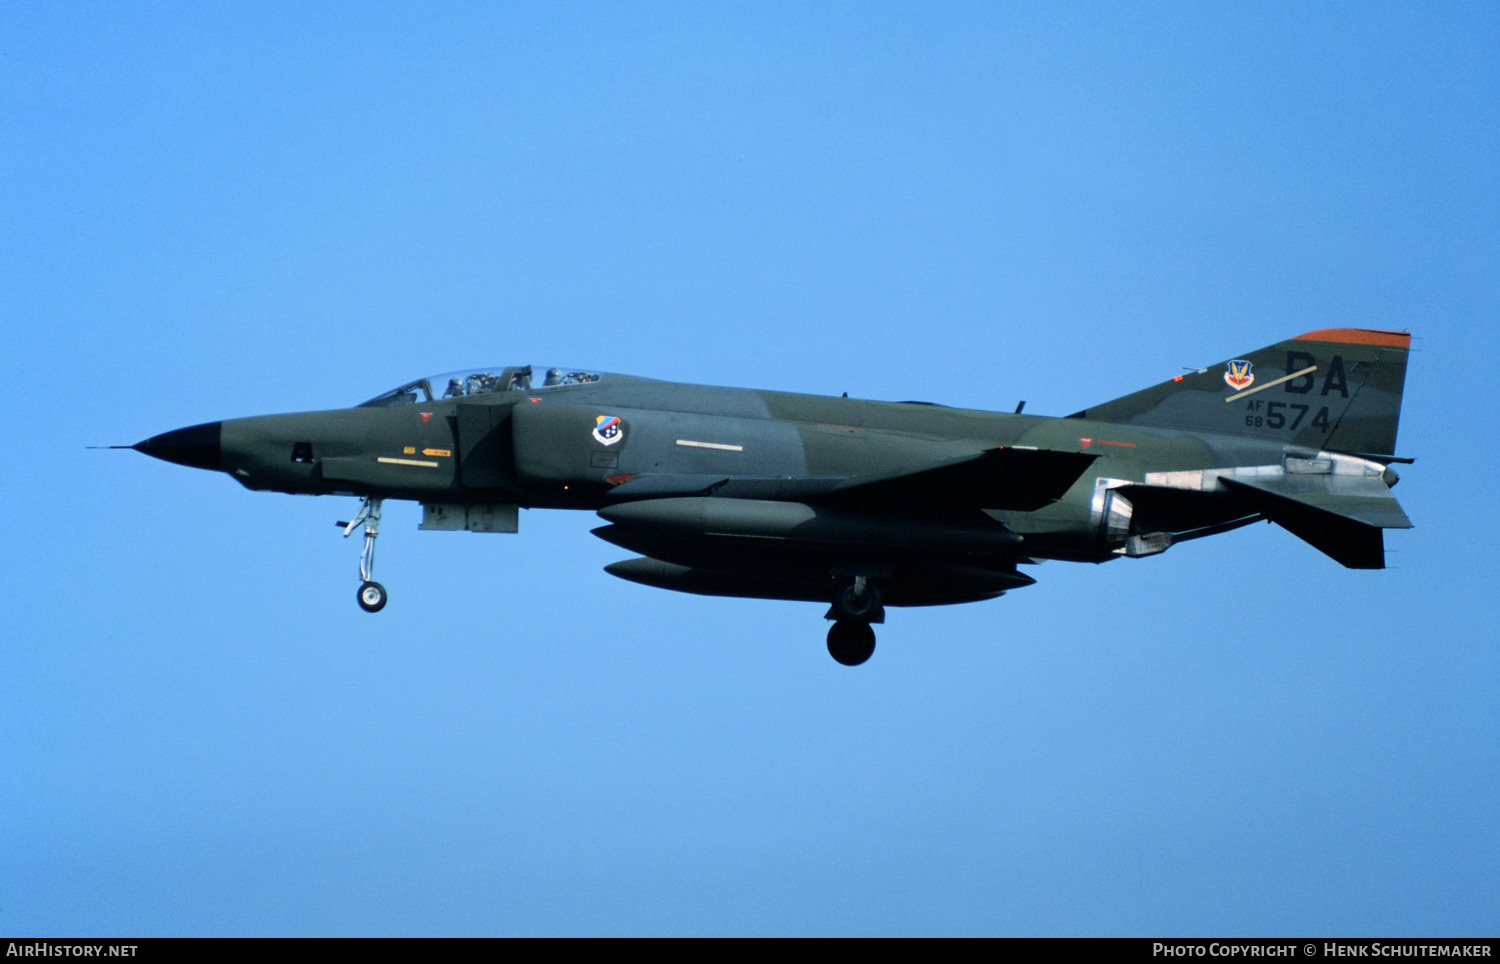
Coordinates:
(372, 595)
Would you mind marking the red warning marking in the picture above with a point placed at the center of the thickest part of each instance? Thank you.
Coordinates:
(426, 417)
(1124, 445)
(1085, 442)
(617, 479)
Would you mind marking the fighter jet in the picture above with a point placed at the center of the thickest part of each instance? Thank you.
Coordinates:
(855, 504)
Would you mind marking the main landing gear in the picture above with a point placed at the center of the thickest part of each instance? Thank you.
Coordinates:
(372, 595)
(856, 604)
(850, 642)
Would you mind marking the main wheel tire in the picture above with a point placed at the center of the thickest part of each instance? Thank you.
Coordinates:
(372, 597)
(851, 643)
(852, 602)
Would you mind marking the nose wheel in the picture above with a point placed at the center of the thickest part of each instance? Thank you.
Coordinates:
(372, 595)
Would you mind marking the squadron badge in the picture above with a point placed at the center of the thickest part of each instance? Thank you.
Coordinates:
(1238, 376)
(608, 429)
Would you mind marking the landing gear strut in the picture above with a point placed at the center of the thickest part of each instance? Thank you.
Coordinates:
(857, 603)
(858, 599)
(372, 595)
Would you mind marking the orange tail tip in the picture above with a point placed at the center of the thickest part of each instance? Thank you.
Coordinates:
(1359, 336)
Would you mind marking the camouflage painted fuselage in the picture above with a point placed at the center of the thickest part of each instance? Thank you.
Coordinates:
(755, 493)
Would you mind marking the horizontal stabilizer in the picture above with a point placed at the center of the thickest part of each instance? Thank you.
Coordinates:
(1000, 478)
(1367, 501)
(1342, 521)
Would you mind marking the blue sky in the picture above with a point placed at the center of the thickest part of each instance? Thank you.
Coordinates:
(212, 212)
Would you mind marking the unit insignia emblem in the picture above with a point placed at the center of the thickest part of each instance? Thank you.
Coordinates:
(608, 429)
(1238, 376)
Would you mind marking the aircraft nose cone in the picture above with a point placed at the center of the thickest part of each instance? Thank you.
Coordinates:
(197, 446)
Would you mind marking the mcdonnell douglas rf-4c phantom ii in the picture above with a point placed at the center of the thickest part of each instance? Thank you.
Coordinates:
(856, 504)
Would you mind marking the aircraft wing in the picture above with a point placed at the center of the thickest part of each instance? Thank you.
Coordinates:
(1020, 479)
(919, 529)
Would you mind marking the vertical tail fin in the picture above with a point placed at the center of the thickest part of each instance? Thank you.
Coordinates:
(1337, 389)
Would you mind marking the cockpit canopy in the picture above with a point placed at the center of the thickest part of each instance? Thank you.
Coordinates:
(477, 381)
